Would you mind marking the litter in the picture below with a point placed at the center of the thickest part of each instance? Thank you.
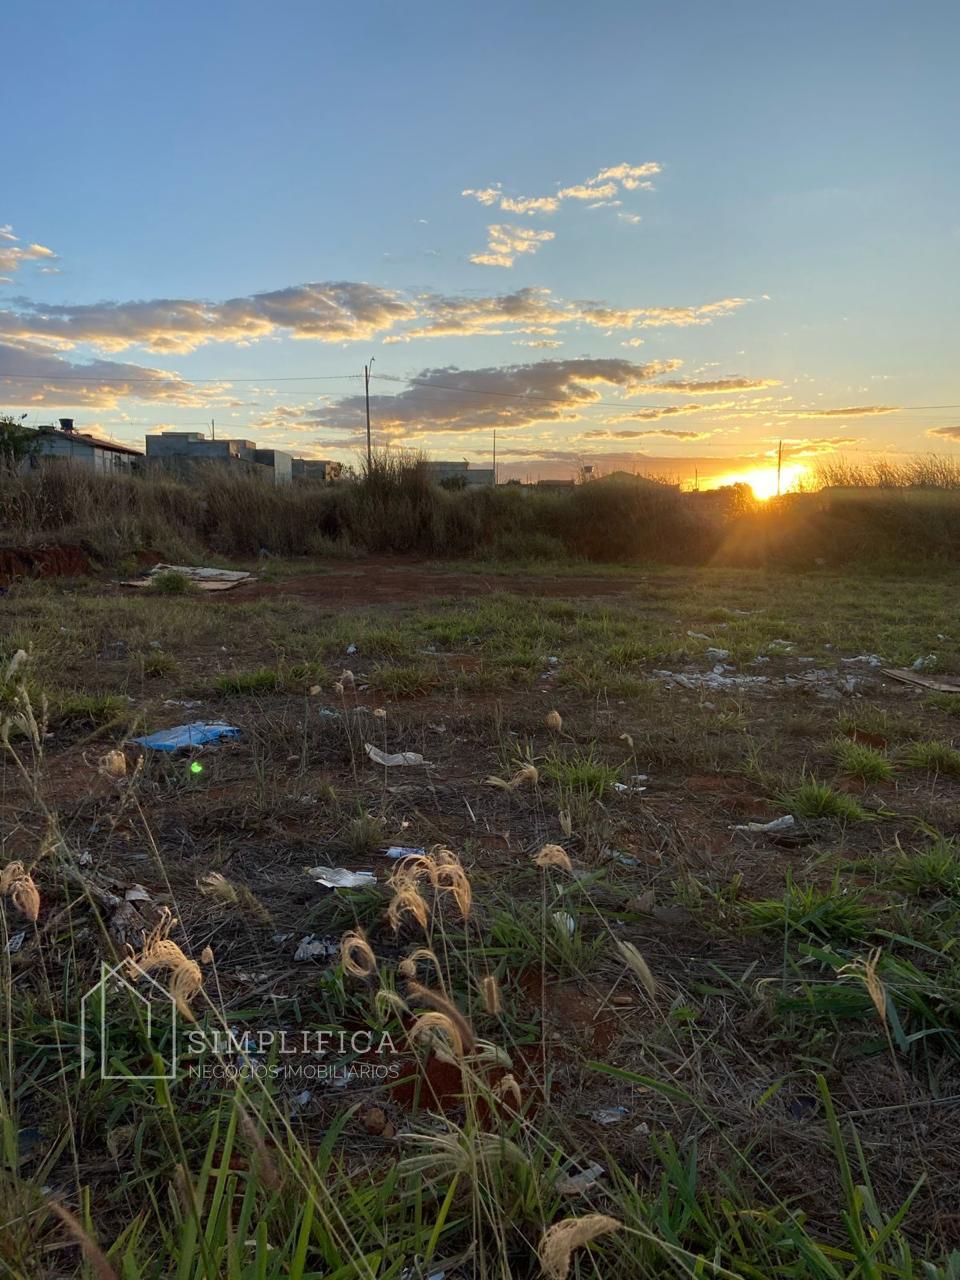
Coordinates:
(206, 579)
(351, 648)
(188, 703)
(715, 679)
(16, 942)
(777, 824)
(404, 851)
(925, 664)
(625, 788)
(698, 635)
(565, 922)
(939, 684)
(609, 1115)
(312, 948)
(575, 1184)
(341, 878)
(868, 659)
(779, 646)
(182, 736)
(400, 757)
(137, 893)
(721, 654)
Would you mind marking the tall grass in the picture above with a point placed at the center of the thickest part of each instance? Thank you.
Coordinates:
(884, 516)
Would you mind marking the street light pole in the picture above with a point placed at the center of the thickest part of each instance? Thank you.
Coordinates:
(366, 383)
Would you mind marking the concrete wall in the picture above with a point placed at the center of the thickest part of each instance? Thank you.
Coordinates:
(84, 453)
(281, 464)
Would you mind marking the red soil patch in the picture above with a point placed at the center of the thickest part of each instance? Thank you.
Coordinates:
(42, 562)
(383, 580)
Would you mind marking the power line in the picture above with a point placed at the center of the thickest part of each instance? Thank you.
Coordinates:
(163, 373)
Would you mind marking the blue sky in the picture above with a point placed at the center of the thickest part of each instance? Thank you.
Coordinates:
(777, 234)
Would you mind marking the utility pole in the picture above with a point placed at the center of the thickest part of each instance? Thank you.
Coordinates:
(779, 462)
(213, 429)
(494, 457)
(366, 383)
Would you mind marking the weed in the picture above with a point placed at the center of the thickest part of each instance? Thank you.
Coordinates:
(932, 871)
(827, 913)
(92, 709)
(363, 836)
(156, 663)
(935, 757)
(403, 681)
(948, 702)
(855, 760)
(171, 583)
(813, 799)
(582, 772)
(261, 680)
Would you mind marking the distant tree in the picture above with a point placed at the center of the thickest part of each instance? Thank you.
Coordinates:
(16, 443)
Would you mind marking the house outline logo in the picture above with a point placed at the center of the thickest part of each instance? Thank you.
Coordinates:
(112, 982)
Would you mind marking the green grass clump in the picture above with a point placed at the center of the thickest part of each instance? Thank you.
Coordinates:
(826, 913)
(934, 871)
(156, 663)
(403, 681)
(935, 757)
(171, 583)
(91, 709)
(948, 702)
(856, 760)
(813, 799)
(581, 772)
(261, 680)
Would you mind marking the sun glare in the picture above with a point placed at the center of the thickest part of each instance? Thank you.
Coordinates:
(763, 480)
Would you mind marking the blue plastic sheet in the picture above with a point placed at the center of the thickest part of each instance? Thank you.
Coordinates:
(197, 734)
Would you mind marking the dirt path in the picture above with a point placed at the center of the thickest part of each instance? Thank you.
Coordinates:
(388, 580)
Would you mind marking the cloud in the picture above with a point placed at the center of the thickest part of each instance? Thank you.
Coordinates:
(945, 433)
(810, 447)
(336, 312)
(603, 317)
(661, 411)
(600, 189)
(13, 254)
(340, 311)
(504, 243)
(626, 434)
(31, 374)
(715, 386)
(538, 311)
(507, 397)
(856, 411)
(633, 218)
(543, 344)
(527, 310)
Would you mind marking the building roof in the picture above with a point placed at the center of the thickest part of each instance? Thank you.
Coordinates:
(96, 441)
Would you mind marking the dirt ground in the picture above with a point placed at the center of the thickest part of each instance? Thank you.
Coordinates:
(665, 750)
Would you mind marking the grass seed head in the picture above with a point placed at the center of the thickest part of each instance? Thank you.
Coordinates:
(558, 1243)
(552, 855)
(356, 955)
(18, 885)
(491, 995)
(554, 721)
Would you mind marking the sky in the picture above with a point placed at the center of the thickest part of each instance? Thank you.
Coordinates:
(650, 237)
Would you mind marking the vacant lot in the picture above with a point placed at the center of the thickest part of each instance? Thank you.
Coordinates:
(739, 1044)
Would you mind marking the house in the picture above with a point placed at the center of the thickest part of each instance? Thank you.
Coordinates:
(184, 450)
(64, 443)
(321, 470)
(457, 475)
